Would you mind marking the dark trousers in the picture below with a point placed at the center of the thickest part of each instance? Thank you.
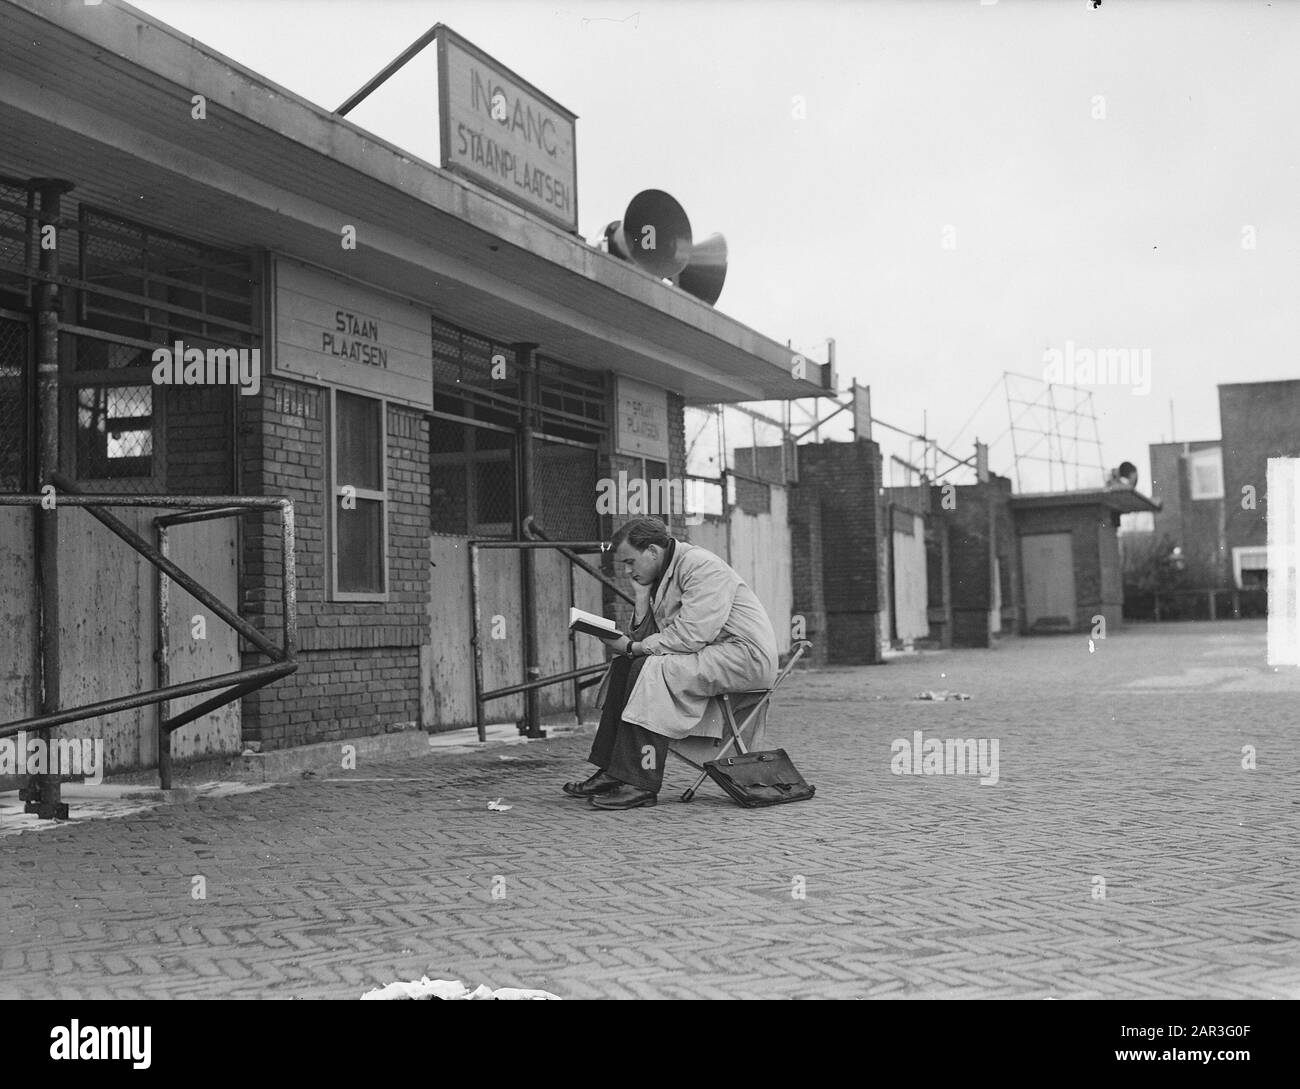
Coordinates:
(625, 750)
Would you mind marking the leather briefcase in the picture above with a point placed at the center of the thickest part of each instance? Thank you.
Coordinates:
(759, 778)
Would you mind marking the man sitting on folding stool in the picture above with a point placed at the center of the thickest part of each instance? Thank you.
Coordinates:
(700, 632)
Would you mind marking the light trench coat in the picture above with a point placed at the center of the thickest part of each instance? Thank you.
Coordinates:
(714, 637)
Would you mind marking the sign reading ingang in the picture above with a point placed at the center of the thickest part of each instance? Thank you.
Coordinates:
(504, 133)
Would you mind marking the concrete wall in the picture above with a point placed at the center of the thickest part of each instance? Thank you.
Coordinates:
(711, 533)
(909, 578)
(760, 553)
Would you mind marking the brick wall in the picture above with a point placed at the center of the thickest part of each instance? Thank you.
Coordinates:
(359, 670)
(1258, 420)
(979, 526)
(835, 528)
(198, 430)
(1195, 525)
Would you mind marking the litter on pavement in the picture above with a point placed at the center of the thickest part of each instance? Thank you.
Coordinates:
(445, 989)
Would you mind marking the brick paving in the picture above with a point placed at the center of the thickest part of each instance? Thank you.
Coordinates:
(1123, 763)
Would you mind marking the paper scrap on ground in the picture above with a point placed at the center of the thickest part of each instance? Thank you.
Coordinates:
(498, 807)
(944, 695)
(444, 989)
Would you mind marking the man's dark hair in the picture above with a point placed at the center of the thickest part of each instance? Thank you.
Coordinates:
(641, 533)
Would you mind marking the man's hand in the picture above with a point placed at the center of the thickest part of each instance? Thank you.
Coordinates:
(616, 642)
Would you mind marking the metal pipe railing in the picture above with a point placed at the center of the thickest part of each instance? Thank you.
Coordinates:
(538, 538)
(568, 550)
(239, 682)
(141, 699)
(557, 678)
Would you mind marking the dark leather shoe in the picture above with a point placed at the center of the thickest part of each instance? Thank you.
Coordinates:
(626, 796)
(600, 783)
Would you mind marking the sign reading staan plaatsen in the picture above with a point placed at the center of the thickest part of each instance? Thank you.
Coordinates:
(332, 330)
(504, 133)
(641, 427)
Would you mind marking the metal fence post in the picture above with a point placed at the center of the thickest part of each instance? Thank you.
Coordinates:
(44, 795)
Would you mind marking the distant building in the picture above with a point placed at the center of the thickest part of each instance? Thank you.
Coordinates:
(1214, 491)
(1258, 421)
(1187, 478)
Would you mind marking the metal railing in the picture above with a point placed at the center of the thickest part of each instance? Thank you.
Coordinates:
(536, 539)
(239, 682)
(1196, 603)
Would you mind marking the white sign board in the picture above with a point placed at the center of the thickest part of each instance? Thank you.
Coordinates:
(504, 133)
(641, 425)
(330, 330)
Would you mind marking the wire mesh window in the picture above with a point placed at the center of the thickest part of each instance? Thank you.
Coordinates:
(472, 479)
(113, 419)
(472, 368)
(571, 399)
(16, 470)
(148, 284)
(139, 289)
(359, 498)
(16, 224)
(563, 503)
(114, 432)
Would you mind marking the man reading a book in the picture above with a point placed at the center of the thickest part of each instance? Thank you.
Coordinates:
(699, 632)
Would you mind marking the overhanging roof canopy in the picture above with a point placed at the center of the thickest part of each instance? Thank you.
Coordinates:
(1121, 500)
(100, 95)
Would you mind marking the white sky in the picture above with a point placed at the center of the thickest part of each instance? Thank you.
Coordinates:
(1124, 232)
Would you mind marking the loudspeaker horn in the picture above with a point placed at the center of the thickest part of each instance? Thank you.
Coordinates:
(707, 269)
(653, 233)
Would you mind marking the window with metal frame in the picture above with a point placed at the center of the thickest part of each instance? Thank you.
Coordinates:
(1250, 567)
(476, 428)
(473, 473)
(359, 523)
(140, 289)
(473, 369)
(1205, 473)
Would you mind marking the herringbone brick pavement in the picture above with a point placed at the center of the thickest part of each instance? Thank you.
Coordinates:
(1123, 763)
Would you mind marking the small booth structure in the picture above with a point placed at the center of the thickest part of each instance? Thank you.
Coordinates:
(429, 367)
(1069, 557)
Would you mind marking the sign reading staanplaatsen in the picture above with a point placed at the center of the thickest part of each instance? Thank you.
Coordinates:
(502, 132)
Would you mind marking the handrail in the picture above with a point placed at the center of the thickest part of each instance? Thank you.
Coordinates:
(239, 682)
(535, 539)
(534, 533)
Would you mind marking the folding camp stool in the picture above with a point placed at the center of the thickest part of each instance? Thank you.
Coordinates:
(735, 728)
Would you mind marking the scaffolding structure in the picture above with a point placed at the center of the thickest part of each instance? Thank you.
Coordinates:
(1049, 425)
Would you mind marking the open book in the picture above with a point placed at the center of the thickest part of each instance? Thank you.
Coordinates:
(592, 624)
